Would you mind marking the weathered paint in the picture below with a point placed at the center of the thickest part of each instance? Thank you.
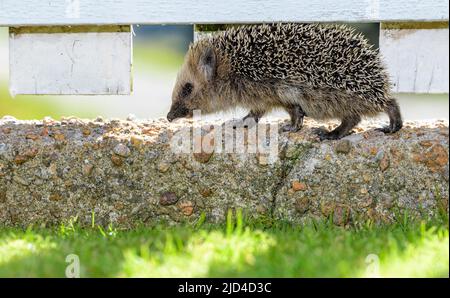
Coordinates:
(417, 59)
(79, 12)
(75, 60)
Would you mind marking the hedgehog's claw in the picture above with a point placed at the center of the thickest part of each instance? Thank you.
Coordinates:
(385, 129)
(330, 135)
(290, 128)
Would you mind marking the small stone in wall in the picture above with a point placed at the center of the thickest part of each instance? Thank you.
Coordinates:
(20, 159)
(298, 186)
(25, 156)
(163, 166)
(3, 196)
(122, 150)
(187, 208)
(136, 141)
(48, 121)
(302, 205)
(116, 160)
(206, 192)
(327, 208)
(263, 160)
(20, 180)
(365, 203)
(86, 132)
(32, 137)
(426, 143)
(54, 197)
(343, 147)
(366, 178)
(384, 162)
(59, 137)
(168, 198)
(341, 215)
(2, 169)
(87, 169)
(373, 151)
(6, 130)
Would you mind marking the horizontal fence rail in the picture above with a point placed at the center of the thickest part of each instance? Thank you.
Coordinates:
(101, 12)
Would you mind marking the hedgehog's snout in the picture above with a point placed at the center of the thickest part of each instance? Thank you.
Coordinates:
(170, 117)
(178, 110)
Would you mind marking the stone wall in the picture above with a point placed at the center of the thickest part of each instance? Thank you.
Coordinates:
(125, 173)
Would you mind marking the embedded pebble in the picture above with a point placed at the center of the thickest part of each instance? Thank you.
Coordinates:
(136, 141)
(163, 166)
(186, 207)
(116, 160)
(298, 186)
(263, 159)
(87, 169)
(384, 163)
(168, 198)
(302, 205)
(344, 146)
(122, 150)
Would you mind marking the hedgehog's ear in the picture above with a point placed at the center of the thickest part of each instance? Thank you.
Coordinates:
(207, 63)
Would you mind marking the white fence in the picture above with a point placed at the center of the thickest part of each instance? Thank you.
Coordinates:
(93, 57)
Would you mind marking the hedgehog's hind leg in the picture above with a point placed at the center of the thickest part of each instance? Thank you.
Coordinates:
(395, 118)
(342, 130)
(297, 114)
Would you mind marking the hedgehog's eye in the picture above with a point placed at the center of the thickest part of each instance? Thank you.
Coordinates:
(187, 89)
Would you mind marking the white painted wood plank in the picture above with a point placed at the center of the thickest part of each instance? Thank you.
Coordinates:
(70, 62)
(67, 12)
(417, 59)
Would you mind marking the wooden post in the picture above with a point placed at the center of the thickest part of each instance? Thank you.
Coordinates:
(110, 52)
(70, 60)
(416, 55)
(203, 30)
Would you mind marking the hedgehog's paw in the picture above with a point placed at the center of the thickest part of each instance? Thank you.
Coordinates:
(290, 128)
(330, 135)
(387, 129)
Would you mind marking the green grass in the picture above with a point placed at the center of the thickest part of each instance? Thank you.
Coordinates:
(408, 249)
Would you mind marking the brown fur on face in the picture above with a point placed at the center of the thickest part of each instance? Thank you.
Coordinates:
(205, 82)
(195, 85)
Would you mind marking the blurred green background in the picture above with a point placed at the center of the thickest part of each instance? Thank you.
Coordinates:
(158, 53)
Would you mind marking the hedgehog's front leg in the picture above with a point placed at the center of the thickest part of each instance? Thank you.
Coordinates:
(297, 114)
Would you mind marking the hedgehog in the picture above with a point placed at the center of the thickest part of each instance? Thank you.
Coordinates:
(309, 70)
